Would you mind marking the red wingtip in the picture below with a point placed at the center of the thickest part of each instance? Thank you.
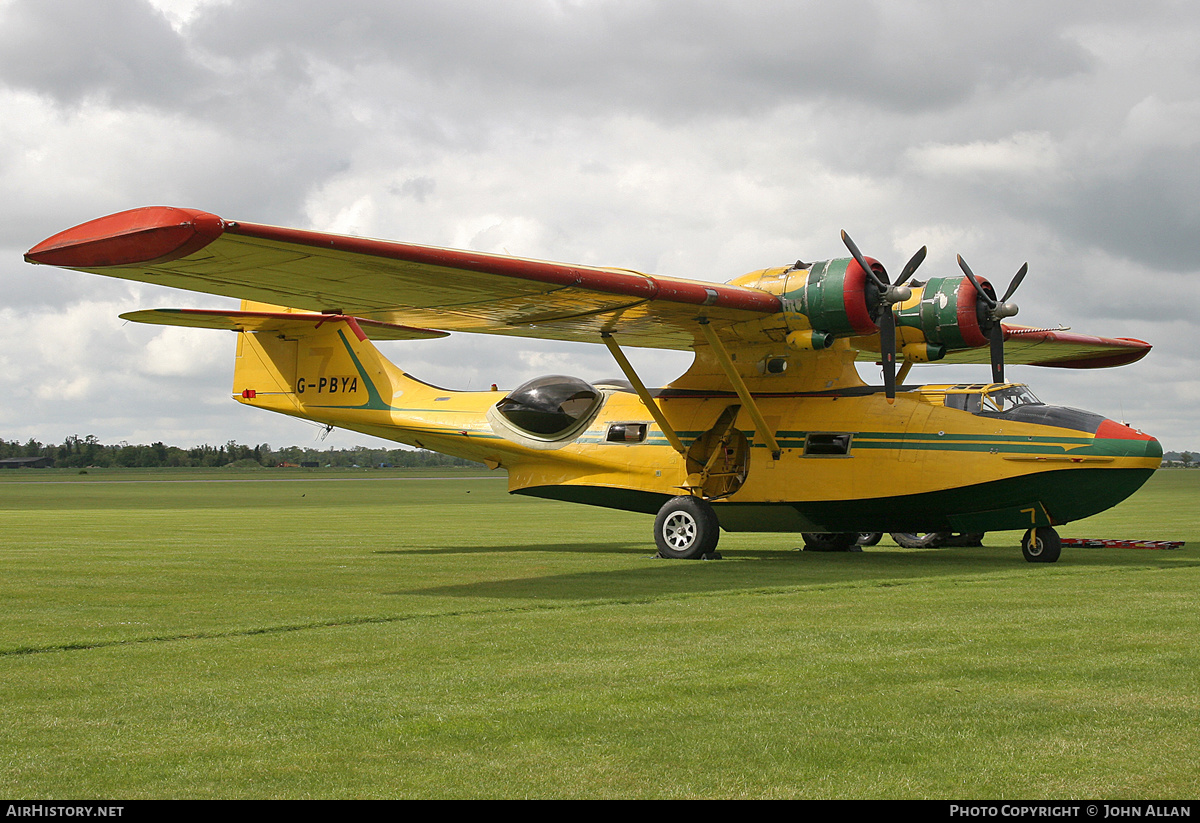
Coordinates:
(154, 234)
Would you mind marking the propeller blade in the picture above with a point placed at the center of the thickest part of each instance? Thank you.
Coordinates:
(1016, 281)
(997, 309)
(996, 336)
(889, 295)
(912, 265)
(880, 282)
(887, 350)
(962, 264)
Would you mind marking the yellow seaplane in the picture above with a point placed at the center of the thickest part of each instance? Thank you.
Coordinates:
(771, 429)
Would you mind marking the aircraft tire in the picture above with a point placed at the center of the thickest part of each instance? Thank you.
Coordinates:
(831, 541)
(1041, 545)
(919, 540)
(686, 528)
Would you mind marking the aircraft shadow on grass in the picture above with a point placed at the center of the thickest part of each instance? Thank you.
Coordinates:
(770, 570)
(632, 547)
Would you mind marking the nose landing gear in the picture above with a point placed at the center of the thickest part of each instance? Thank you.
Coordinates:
(1041, 545)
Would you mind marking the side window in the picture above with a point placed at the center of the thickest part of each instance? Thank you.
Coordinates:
(827, 444)
(966, 402)
(626, 433)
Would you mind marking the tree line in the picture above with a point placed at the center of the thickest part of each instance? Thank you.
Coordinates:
(85, 452)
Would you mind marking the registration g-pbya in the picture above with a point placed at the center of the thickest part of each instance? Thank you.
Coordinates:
(770, 429)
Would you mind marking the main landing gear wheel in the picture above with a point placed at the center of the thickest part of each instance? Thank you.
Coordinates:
(1041, 545)
(919, 540)
(686, 528)
(936, 540)
(831, 541)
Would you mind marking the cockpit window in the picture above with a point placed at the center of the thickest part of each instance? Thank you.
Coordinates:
(1002, 400)
(1015, 403)
(996, 400)
(549, 407)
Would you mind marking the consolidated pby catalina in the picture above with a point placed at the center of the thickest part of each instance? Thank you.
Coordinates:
(771, 429)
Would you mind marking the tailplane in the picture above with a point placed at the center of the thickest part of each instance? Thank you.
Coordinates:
(317, 366)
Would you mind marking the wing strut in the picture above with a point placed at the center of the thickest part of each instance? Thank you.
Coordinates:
(739, 385)
(642, 392)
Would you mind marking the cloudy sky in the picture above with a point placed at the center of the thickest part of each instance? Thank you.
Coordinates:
(697, 139)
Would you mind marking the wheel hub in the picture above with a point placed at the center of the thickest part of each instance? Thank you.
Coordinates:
(679, 531)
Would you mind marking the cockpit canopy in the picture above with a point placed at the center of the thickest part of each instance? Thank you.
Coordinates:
(1014, 402)
(990, 397)
(550, 407)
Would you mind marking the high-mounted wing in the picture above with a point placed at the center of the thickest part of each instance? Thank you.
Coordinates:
(398, 283)
(1026, 346)
(1059, 348)
(407, 291)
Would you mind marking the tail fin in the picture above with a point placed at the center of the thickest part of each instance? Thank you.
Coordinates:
(319, 366)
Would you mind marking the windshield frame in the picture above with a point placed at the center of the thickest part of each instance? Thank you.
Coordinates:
(1006, 398)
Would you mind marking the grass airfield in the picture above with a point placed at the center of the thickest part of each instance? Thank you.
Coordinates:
(384, 634)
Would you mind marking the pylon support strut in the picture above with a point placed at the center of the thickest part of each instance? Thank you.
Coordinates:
(739, 386)
(642, 392)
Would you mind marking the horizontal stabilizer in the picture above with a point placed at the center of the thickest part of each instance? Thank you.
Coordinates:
(282, 322)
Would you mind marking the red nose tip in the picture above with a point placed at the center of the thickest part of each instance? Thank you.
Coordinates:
(1112, 430)
(1134, 443)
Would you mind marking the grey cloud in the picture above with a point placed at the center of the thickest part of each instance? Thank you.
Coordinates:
(1148, 211)
(665, 60)
(122, 50)
(1142, 208)
(418, 188)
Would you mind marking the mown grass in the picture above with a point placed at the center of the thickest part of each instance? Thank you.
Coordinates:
(391, 637)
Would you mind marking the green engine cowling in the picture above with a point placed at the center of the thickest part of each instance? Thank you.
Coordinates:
(947, 313)
(830, 299)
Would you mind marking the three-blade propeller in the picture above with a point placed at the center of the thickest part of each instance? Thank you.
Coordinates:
(888, 295)
(991, 311)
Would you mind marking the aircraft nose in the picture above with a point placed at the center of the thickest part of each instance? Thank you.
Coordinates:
(1125, 441)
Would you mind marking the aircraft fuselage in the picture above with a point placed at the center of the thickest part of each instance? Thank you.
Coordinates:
(848, 460)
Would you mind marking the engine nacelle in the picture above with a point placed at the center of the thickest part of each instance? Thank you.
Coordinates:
(833, 298)
(949, 315)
